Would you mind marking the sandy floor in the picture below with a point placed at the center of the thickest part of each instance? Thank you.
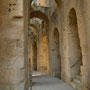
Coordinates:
(45, 82)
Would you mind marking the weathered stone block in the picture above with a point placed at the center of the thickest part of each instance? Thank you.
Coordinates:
(11, 76)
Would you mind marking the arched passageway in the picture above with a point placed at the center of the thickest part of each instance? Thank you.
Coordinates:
(56, 58)
(74, 51)
(43, 57)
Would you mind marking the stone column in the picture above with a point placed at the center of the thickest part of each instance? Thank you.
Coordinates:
(12, 73)
(86, 59)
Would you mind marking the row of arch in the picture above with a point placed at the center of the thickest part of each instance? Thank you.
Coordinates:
(54, 66)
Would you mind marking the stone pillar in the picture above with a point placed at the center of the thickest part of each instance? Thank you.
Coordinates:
(12, 73)
(86, 59)
(42, 57)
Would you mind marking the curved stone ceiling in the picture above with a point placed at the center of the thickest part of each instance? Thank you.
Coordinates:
(39, 14)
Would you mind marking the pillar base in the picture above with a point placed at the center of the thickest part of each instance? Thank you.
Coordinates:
(86, 77)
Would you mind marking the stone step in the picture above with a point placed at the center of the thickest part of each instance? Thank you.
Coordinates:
(78, 81)
(76, 86)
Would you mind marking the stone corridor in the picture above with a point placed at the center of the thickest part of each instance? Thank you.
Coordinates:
(45, 82)
(50, 37)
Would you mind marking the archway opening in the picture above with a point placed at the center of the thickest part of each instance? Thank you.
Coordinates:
(56, 51)
(75, 53)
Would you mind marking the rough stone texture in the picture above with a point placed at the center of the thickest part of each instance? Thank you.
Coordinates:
(12, 71)
(62, 38)
(43, 55)
(71, 18)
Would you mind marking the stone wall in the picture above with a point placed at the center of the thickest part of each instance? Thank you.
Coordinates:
(73, 49)
(71, 55)
(12, 69)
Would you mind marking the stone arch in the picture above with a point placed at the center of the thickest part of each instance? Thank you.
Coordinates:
(39, 14)
(74, 46)
(56, 70)
(43, 57)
